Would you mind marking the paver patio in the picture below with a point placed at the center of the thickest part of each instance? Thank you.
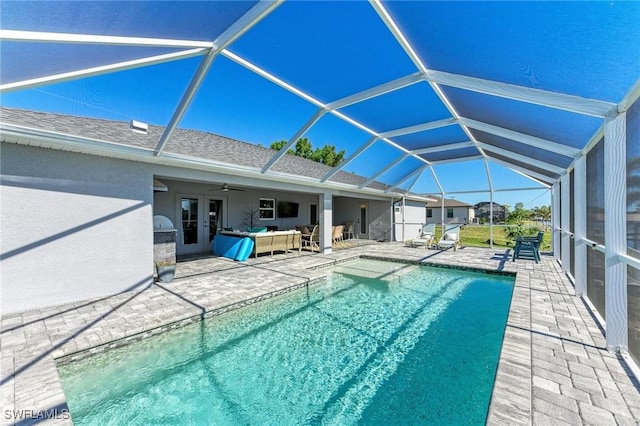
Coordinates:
(554, 368)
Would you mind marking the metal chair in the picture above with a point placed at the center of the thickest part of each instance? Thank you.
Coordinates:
(528, 247)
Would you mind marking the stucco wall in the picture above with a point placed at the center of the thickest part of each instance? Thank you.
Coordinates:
(414, 217)
(72, 227)
(378, 219)
(235, 203)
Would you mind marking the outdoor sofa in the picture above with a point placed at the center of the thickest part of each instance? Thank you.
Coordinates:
(272, 241)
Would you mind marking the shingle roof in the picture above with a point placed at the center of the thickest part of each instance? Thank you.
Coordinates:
(183, 141)
(448, 202)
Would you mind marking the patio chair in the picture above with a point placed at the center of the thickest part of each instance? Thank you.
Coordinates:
(312, 240)
(426, 236)
(349, 228)
(450, 238)
(336, 236)
(528, 247)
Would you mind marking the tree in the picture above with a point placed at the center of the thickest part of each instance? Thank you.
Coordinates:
(304, 148)
(279, 145)
(518, 216)
(328, 155)
(516, 222)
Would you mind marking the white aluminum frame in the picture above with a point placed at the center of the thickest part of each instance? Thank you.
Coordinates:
(565, 235)
(615, 232)
(580, 224)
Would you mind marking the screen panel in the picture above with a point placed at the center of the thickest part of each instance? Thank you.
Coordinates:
(449, 176)
(431, 138)
(520, 164)
(633, 227)
(374, 159)
(451, 154)
(327, 49)
(415, 104)
(523, 149)
(509, 42)
(633, 179)
(238, 113)
(595, 227)
(201, 21)
(122, 96)
(404, 168)
(555, 125)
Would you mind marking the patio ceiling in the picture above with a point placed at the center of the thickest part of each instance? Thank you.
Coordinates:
(523, 85)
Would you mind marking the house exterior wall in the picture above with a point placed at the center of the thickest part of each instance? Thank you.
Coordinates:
(73, 227)
(414, 217)
(234, 203)
(378, 216)
(76, 227)
(461, 215)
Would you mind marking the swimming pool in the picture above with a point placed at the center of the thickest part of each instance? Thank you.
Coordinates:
(378, 343)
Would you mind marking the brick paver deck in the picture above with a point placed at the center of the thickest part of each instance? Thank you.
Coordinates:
(554, 368)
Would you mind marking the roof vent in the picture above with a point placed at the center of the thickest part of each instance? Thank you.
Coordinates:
(138, 126)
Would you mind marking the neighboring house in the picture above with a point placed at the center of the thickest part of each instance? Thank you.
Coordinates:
(79, 195)
(483, 212)
(454, 211)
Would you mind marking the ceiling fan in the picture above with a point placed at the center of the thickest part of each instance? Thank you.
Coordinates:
(225, 188)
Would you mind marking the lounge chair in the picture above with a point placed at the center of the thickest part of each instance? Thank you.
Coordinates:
(450, 238)
(426, 236)
(528, 247)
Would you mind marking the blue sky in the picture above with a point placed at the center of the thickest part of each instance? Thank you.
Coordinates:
(332, 52)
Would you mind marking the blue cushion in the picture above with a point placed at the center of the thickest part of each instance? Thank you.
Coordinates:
(257, 230)
(246, 247)
(232, 247)
(226, 246)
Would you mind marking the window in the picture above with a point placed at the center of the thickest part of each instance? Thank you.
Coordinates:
(449, 213)
(267, 209)
(313, 214)
(429, 212)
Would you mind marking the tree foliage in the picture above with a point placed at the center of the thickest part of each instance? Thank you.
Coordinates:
(517, 221)
(304, 148)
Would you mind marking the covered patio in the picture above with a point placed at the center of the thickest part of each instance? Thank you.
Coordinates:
(426, 98)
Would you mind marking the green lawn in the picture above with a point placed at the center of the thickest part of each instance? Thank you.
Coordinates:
(478, 236)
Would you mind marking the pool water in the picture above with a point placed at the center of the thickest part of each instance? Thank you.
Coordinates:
(378, 343)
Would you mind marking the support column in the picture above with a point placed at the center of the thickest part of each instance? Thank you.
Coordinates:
(404, 229)
(615, 231)
(565, 254)
(392, 221)
(491, 217)
(326, 220)
(580, 224)
(555, 220)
